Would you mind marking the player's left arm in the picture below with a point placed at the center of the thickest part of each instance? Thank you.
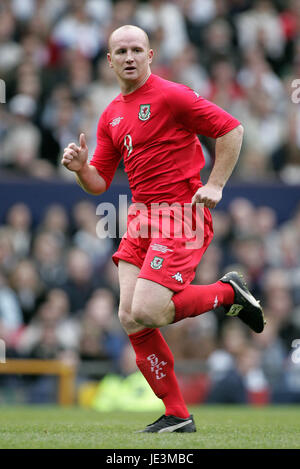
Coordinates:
(227, 151)
(200, 116)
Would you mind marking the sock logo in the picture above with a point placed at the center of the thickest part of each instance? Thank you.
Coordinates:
(156, 366)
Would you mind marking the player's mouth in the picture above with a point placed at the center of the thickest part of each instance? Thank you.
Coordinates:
(130, 69)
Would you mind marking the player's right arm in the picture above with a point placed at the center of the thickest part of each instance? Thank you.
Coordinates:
(95, 176)
(75, 158)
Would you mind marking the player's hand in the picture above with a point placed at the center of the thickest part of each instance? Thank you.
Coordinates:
(209, 195)
(75, 157)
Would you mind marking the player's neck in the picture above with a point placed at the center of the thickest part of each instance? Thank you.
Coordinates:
(128, 87)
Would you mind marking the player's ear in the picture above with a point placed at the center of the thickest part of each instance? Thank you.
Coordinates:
(109, 59)
(150, 55)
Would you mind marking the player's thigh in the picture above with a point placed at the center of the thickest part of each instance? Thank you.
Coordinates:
(150, 302)
(128, 274)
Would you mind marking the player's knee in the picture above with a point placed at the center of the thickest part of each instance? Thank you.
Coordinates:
(126, 319)
(145, 316)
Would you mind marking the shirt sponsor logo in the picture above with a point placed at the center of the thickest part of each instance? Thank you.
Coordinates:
(161, 248)
(144, 113)
(116, 121)
(157, 262)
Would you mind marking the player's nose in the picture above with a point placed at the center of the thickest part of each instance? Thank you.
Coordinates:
(129, 57)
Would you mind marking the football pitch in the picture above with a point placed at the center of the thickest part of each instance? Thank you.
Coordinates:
(219, 427)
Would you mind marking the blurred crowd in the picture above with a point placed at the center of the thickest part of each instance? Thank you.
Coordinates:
(242, 54)
(59, 298)
(58, 286)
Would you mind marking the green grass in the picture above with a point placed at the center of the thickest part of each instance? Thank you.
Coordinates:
(218, 427)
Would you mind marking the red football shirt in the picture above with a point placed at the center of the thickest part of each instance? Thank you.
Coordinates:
(155, 130)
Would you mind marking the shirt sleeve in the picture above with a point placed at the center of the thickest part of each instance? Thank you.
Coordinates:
(106, 158)
(197, 114)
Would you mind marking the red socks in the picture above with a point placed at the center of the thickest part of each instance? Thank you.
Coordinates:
(198, 299)
(153, 356)
(156, 362)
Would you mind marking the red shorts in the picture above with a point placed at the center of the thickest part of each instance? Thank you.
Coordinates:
(169, 261)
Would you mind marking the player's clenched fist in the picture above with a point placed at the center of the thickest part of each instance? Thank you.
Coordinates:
(209, 195)
(75, 157)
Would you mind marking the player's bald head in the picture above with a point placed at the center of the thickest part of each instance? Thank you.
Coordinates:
(128, 32)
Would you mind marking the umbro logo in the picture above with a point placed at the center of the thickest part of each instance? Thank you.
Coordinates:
(160, 247)
(116, 121)
(178, 277)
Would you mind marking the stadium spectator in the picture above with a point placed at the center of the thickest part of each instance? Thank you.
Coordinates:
(11, 321)
(101, 337)
(47, 253)
(241, 381)
(78, 31)
(51, 331)
(158, 14)
(186, 69)
(51, 334)
(102, 90)
(66, 120)
(10, 50)
(86, 238)
(8, 256)
(56, 222)
(261, 27)
(279, 306)
(80, 282)
(217, 41)
(123, 12)
(19, 223)
(273, 353)
(28, 287)
(20, 146)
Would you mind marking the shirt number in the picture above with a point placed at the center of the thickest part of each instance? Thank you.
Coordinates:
(128, 143)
